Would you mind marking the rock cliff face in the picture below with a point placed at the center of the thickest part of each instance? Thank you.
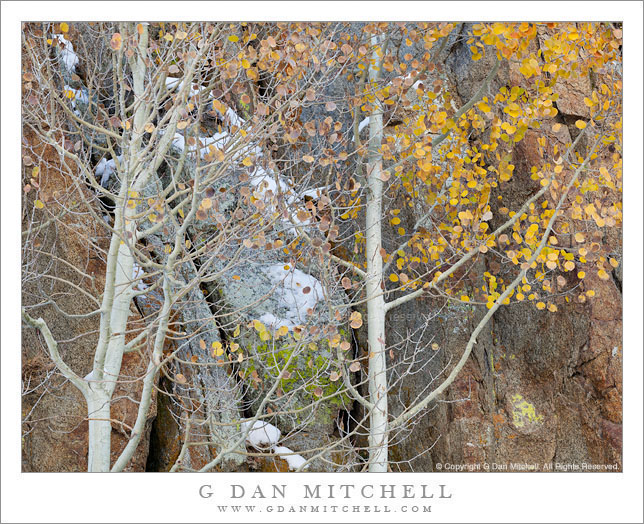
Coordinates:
(539, 387)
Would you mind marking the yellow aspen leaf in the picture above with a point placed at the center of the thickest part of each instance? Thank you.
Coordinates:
(393, 277)
(512, 109)
(401, 231)
(64, 27)
(182, 125)
(484, 107)
(590, 293)
(579, 237)
(556, 127)
(217, 349)
(603, 275)
(245, 64)
(308, 159)
(580, 124)
(264, 336)
(541, 305)
(395, 221)
(247, 161)
(149, 127)
(465, 298)
(180, 378)
(38, 204)
(237, 331)
(552, 308)
(569, 265)
(613, 262)
(581, 274)
(520, 296)
(233, 38)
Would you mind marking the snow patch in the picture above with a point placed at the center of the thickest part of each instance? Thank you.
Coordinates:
(316, 192)
(270, 320)
(297, 293)
(137, 275)
(105, 168)
(294, 461)
(363, 124)
(172, 83)
(79, 95)
(233, 118)
(261, 434)
(219, 140)
(265, 436)
(67, 55)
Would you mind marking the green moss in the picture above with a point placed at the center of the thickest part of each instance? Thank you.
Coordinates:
(309, 370)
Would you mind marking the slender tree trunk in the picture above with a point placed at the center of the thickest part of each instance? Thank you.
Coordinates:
(378, 422)
(100, 429)
(117, 298)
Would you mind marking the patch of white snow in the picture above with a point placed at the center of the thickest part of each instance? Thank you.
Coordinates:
(105, 168)
(294, 461)
(262, 434)
(67, 55)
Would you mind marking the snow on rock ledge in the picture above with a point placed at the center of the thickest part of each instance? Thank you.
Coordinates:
(265, 436)
(297, 293)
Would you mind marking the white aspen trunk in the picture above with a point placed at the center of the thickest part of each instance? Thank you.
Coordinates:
(378, 420)
(100, 429)
(118, 287)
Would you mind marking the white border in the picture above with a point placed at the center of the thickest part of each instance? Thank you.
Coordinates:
(163, 498)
